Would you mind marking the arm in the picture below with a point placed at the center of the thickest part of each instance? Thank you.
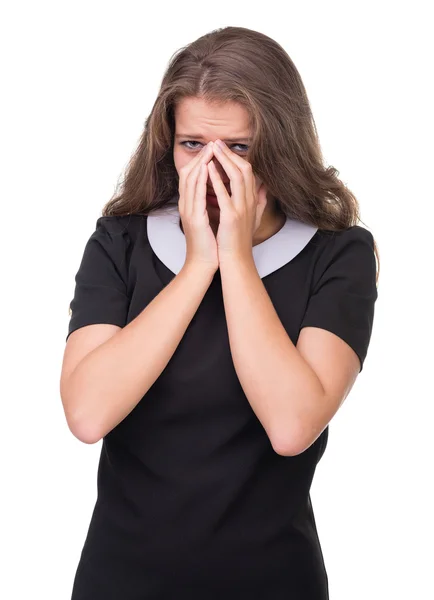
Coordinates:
(111, 379)
(285, 392)
(294, 391)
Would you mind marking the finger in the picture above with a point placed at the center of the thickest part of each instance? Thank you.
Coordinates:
(190, 180)
(235, 167)
(183, 174)
(199, 203)
(186, 171)
(224, 200)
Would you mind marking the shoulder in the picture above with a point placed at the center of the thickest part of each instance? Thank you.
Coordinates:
(115, 237)
(355, 233)
(353, 241)
(347, 254)
(120, 234)
(124, 226)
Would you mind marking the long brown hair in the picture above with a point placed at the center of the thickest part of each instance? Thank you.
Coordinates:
(245, 66)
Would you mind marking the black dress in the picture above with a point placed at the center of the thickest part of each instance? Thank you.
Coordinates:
(193, 502)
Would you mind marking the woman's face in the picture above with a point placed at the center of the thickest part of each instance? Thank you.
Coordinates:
(198, 122)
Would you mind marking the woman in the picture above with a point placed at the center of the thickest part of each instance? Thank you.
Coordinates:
(223, 309)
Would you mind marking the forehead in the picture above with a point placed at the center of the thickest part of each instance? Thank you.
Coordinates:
(195, 115)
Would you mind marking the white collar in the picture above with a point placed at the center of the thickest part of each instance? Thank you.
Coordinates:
(168, 241)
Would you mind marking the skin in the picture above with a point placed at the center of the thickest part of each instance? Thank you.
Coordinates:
(212, 122)
(294, 390)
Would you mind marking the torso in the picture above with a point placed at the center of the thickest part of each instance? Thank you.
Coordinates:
(192, 499)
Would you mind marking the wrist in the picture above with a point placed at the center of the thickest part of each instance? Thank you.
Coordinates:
(200, 269)
(232, 260)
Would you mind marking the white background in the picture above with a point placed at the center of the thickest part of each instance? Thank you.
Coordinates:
(78, 80)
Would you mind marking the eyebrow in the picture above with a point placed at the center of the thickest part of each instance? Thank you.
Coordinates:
(200, 137)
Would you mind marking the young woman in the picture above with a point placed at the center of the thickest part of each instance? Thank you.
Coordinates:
(223, 309)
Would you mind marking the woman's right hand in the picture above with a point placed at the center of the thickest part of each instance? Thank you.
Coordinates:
(200, 239)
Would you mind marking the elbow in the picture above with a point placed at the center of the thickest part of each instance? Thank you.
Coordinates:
(288, 443)
(84, 433)
(83, 430)
(81, 426)
(285, 449)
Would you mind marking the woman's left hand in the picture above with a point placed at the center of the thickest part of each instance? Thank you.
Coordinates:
(240, 213)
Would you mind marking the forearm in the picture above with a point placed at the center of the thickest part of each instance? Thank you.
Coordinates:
(279, 384)
(110, 381)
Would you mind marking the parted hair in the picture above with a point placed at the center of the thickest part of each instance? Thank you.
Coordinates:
(240, 65)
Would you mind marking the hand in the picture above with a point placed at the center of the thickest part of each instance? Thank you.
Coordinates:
(200, 239)
(240, 213)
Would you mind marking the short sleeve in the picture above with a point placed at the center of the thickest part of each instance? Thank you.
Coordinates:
(100, 294)
(343, 297)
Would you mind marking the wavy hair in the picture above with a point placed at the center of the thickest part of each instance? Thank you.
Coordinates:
(241, 65)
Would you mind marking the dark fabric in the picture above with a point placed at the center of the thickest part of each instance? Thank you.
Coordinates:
(100, 294)
(344, 294)
(193, 501)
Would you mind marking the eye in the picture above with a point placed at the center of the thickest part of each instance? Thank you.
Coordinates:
(244, 147)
